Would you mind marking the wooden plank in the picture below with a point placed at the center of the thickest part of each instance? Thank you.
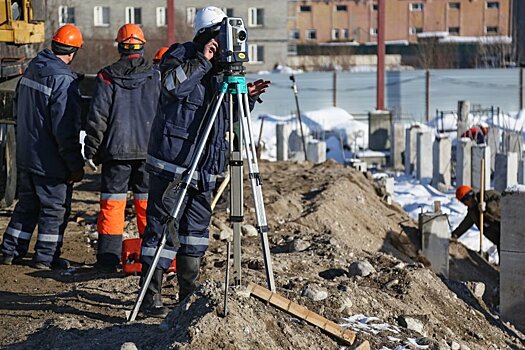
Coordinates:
(332, 328)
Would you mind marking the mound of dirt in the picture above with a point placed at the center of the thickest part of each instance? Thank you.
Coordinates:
(322, 219)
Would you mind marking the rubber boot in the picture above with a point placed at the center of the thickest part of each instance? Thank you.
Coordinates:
(187, 274)
(152, 304)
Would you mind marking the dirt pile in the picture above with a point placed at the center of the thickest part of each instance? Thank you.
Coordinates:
(322, 220)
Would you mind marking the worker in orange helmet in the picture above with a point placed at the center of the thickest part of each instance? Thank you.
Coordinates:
(491, 213)
(46, 106)
(159, 54)
(117, 133)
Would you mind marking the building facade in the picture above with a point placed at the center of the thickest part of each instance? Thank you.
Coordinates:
(99, 22)
(355, 21)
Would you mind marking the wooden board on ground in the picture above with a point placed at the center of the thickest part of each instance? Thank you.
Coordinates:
(303, 313)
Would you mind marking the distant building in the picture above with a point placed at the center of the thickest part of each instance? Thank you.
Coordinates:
(519, 30)
(356, 20)
(99, 23)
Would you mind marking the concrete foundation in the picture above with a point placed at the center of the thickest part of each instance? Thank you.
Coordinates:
(359, 165)
(295, 146)
(435, 235)
(397, 139)
(442, 159)
(480, 152)
(506, 173)
(521, 171)
(424, 170)
(411, 149)
(463, 162)
(512, 259)
(463, 113)
(494, 142)
(282, 141)
(512, 142)
(316, 151)
(379, 130)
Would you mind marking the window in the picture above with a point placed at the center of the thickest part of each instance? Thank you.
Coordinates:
(228, 11)
(305, 8)
(335, 34)
(416, 6)
(491, 30)
(453, 30)
(373, 31)
(101, 16)
(161, 17)
(342, 8)
(255, 17)
(375, 7)
(492, 4)
(256, 53)
(415, 30)
(311, 34)
(134, 15)
(345, 34)
(454, 5)
(294, 34)
(66, 14)
(190, 15)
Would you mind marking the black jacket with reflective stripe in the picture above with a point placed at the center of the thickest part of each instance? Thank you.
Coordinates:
(122, 111)
(47, 110)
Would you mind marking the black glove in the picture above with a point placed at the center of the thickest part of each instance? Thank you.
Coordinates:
(76, 176)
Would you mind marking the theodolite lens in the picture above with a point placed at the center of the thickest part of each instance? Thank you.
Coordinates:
(242, 35)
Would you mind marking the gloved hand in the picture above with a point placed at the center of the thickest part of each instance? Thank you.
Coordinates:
(76, 176)
(482, 207)
(91, 164)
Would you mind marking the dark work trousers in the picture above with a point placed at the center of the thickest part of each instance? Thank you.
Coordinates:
(119, 176)
(45, 202)
(191, 225)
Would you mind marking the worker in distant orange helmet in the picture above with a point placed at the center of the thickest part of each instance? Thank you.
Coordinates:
(117, 133)
(491, 213)
(46, 106)
(159, 54)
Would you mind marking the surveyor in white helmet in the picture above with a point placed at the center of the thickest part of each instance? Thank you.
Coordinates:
(190, 78)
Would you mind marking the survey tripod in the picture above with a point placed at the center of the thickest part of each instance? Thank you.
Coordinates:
(233, 85)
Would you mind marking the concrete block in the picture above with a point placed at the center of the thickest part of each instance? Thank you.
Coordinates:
(295, 142)
(411, 149)
(512, 288)
(513, 222)
(480, 152)
(506, 173)
(397, 139)
(359, 165)
(494, 142)
(463, 162)
(442, 162)
(282, 141)
(521, 171)
(436, 235)
(463, 113)
(316, 151)
(425, 141)
(379, 130)
(512, 142)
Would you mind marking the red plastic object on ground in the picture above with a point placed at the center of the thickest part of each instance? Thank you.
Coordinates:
(131, 257)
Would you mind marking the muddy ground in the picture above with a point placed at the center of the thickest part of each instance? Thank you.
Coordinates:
(322, 219)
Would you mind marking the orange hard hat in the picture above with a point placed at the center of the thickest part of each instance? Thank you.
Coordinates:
(69, 35)
(160, 53)
(130, 34)
(463, 191)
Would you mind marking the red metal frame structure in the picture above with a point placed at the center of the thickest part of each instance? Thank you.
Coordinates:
(170, 8)
(381, 16)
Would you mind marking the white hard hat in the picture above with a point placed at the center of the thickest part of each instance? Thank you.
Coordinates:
(206, 18)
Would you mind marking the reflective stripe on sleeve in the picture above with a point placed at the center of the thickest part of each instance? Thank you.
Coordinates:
(46, 90)
(166, 254)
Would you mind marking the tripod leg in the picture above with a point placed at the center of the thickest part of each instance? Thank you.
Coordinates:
(236, 193)
(181, 191)
(256, 185)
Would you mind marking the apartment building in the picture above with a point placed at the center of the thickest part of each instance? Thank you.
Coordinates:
(99, 21)
(355, 21)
